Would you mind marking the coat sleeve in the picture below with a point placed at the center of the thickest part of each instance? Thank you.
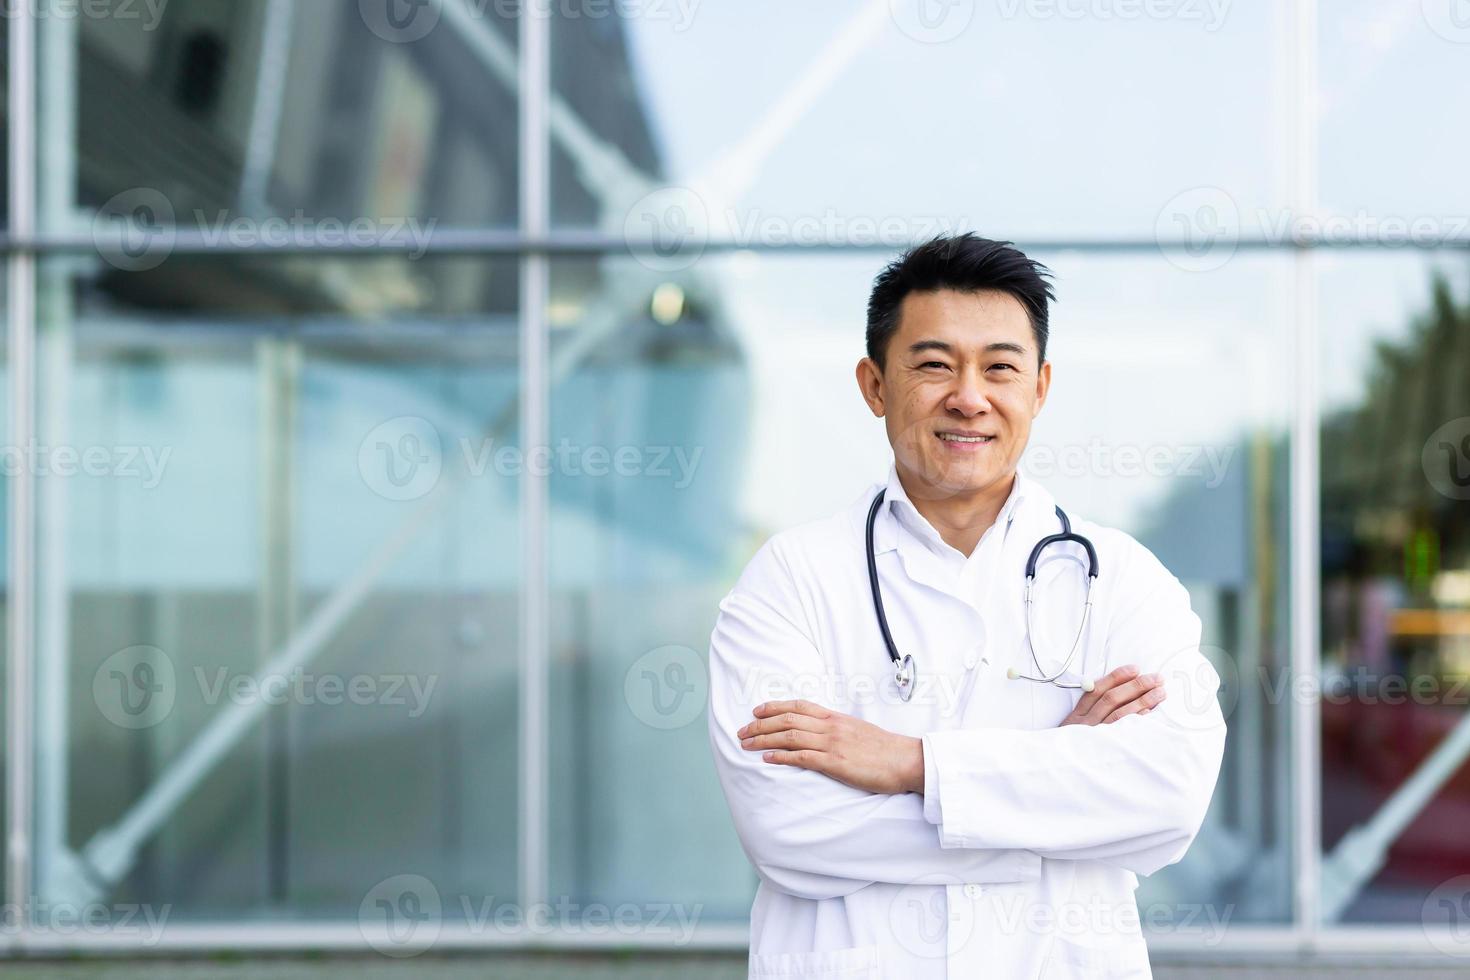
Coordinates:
(1132, 793)
(807, 834)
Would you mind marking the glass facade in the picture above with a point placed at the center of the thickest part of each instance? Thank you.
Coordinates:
(377, 474)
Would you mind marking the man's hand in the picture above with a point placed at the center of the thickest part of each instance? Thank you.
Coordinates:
(1118, 694)
(860, 754)
(850, 750)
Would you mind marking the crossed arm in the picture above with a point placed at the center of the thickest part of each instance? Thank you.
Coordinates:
(860, 754)
(825, 803)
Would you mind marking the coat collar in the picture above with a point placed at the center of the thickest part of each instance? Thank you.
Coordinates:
(1027, 497)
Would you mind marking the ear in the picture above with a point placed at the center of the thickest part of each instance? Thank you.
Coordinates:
(870, 383)
(1043, 385)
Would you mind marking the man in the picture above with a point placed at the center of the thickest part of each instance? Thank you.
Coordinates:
(989, 825)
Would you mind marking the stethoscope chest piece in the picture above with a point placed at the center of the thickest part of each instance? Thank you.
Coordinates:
(904, 676)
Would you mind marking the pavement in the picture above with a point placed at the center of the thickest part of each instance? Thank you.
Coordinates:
(553, 966)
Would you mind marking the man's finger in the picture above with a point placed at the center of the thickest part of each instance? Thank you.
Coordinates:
(1141, 705)
(789, 740)
(801, 758)
(799, 706)
(1121, 695)
(1102, 686)
(780, 723)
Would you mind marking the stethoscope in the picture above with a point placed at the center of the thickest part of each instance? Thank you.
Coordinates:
(903, 667)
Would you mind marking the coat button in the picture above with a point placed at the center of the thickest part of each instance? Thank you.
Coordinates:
(972, 891)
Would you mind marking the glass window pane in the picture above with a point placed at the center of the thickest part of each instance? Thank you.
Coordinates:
(1033, 118)
(1397, 71)
(212, 113)
(277, 584)
(1395, 585)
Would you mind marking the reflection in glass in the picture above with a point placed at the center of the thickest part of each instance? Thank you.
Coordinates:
(820, 146)
(1395, 595)
(649, 417)
(309, 111)
(283, 590)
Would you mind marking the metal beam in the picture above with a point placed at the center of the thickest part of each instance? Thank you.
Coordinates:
(534, 84)
(21, 334)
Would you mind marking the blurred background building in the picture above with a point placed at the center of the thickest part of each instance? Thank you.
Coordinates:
(301, 645)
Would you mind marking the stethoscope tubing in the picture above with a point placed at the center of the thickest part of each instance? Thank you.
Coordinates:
(904, 668)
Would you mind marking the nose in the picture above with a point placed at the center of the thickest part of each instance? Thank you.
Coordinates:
(968, 397)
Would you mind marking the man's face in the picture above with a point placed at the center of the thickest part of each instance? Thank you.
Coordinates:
(959, 391)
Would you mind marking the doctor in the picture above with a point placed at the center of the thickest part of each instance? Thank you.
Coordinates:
(979, 823)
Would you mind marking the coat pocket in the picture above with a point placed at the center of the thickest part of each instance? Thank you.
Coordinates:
(851, 963)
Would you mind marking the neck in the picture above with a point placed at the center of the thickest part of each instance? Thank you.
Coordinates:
(960, 518)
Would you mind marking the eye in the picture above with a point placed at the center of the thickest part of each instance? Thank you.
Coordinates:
(1003, 364)
(934, 364)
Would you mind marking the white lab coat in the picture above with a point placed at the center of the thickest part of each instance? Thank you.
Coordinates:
(1020, 858)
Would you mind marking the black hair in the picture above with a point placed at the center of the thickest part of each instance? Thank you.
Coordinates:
(966, 263)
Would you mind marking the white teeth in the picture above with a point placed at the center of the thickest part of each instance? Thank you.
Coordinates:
(954, 438)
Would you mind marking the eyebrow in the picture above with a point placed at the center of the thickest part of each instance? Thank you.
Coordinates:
(943, 345)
